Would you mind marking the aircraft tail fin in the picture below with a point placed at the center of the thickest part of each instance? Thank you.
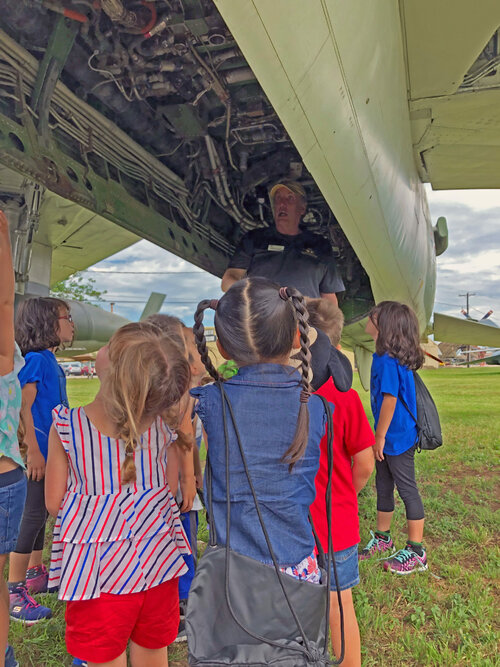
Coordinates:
(155, 302)
(466, 332)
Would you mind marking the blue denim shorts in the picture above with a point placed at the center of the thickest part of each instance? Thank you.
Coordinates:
(347, 569)
(12, 499)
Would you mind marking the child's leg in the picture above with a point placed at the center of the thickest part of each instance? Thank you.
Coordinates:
(384, 520)
(381, 541)
(36, 556)
(147, 657)
(4, 610)
(12, 500)
(403, 471)
(415, 530)
(32, 523)
(346, 561)
(413, 558)
(352, 650)
(384, 481)
(121, 661)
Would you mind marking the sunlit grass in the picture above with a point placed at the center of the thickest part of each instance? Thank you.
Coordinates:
(419, 619)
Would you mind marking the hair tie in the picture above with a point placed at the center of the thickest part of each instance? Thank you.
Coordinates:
(284, 293)
(213, 304)
(304, 396)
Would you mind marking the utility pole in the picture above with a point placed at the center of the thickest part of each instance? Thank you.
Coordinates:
(467, 295)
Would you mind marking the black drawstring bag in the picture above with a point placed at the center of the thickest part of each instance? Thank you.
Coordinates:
(241, 612)
(429, 434)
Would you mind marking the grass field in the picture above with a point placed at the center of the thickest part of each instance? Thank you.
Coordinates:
(447, 616)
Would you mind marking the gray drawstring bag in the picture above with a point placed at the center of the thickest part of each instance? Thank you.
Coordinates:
(241, 612)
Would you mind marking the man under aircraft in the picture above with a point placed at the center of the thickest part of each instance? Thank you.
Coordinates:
(284, 253)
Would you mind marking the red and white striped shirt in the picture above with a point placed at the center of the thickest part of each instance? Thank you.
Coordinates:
(110, 538)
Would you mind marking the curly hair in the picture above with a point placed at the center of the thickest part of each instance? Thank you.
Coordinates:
(148, 374)
(398, 333)
(37, 323)
(254, 324)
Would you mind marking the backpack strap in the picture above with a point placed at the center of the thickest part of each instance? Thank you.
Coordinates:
(411, 413)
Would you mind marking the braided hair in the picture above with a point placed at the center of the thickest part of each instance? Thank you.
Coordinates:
(256, 321)
(199, 336)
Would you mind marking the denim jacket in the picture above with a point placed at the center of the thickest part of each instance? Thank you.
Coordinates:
(265, 401)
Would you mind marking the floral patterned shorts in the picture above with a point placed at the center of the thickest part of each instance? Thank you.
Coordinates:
(306, 570)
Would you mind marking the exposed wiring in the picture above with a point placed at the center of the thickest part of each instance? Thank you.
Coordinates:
(228, 128)
(108, 74)
(181, 143)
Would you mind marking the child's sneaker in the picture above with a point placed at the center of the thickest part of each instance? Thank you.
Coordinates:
(25, 608)
(181, 634)
(80, 663)
(10, 659)
(37, 579)
(406, 561)
(376, 545)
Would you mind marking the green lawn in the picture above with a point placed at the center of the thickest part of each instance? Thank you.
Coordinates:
(447, 616)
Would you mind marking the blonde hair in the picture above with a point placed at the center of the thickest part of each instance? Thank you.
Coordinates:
(173, 328)
(327, 317)
(147, 375)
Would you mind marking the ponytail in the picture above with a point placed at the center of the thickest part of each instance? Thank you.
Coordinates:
(301, 437)
(256, 321)
(199, 336)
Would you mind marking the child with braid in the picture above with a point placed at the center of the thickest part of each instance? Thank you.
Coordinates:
(280, 423)
(118, 539)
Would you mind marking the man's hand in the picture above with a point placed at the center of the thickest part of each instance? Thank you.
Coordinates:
(331, 296)
(378, 448)
(35, 464)
(230, 277)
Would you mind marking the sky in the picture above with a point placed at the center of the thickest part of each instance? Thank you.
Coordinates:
(470, 264)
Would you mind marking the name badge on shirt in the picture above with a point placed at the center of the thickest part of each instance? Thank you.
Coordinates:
(275, 248)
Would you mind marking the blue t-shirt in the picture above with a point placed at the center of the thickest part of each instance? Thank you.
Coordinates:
(390, 377)
(43, 369)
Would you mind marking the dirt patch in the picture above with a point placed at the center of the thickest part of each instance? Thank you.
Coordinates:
(459, 481)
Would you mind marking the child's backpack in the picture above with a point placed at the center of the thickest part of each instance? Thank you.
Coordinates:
(428, 425)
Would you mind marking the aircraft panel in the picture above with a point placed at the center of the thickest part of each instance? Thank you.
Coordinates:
(357, 124)
(443, 39)
(457, 139)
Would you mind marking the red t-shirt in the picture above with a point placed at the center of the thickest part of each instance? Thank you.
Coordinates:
(351, 434)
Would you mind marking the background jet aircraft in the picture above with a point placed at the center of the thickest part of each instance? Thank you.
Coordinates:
(172, 118)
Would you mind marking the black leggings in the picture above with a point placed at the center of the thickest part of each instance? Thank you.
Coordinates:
(399, 470)
(32, 530)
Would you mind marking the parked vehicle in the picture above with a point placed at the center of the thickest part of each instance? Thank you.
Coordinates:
(65, 365)
(75, 368)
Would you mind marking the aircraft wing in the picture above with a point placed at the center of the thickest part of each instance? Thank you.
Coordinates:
(494, 360)
(468, 332)
(454, 107)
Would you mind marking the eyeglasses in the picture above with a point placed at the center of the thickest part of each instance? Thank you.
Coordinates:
(66, 317)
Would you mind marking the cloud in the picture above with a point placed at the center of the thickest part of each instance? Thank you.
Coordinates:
(472, 261)
(157, 271)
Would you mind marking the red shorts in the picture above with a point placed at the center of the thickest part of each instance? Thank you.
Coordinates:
(98, 630)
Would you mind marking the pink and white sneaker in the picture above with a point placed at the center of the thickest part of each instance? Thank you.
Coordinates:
(37, 579)
(375, 546)
(406, 561)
